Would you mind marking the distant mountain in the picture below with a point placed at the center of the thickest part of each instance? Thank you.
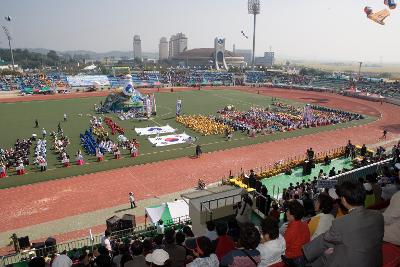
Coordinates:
(95, 55)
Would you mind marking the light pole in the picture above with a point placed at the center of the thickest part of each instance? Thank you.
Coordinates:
(7, 33)
(359, 70)
(254, 9)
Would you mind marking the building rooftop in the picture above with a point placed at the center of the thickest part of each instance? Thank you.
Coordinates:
(201, 53)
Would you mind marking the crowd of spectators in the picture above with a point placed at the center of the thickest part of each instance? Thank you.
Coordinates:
(184, 77)
(388, 89)
(254, 77)
(319, 233)
(309, 225)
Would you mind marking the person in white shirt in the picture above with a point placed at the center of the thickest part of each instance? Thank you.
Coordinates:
(211, 233)
(160, 227)
(132, 200)
(62, 261)
(322, 222)
(272, 245)
(105, 240)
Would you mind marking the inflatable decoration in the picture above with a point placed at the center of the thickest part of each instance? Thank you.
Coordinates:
(390, 3)
(378, 17)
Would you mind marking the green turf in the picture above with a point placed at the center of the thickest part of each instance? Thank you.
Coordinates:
(276, 183)
(17, 121)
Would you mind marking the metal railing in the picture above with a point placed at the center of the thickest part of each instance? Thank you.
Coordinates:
(361, 172)
(90, 243)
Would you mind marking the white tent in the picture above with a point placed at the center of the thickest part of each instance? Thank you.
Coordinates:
(167, 211)
(90, 67)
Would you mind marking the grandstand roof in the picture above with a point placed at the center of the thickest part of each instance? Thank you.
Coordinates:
(201, 53)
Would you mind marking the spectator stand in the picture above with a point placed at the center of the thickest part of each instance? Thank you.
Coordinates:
(90, 243)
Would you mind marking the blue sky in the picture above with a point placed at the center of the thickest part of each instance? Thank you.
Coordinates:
(306, 29)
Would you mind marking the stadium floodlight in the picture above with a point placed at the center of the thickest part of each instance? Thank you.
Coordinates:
(7, 33)
(253, 7)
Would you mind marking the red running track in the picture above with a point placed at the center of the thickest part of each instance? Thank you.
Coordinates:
(47, 201)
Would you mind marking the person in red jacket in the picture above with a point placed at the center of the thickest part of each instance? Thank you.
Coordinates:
(224, 243)
(296, 235)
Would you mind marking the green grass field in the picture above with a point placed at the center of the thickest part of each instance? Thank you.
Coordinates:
(17, 121)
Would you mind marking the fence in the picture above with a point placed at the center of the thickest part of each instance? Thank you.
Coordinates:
(355, 174)
(89, 242)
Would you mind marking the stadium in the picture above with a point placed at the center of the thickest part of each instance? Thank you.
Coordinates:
(215, 163)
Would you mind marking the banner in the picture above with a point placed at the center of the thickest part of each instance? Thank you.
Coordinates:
(168, 140)
(155, 130)
(178, 107)
(87, 80)
(326, 183)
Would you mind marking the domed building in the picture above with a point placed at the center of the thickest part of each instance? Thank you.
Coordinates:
(217, 57)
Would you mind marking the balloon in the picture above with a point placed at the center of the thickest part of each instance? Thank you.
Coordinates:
(129, 90)
(368, 10)
(378, 17)
(390, 3)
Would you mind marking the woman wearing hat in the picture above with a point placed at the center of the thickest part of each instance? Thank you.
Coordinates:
(203, 250)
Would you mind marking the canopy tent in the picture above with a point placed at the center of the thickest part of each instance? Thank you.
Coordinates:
(167, 211)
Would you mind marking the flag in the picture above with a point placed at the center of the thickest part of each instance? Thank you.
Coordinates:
(178, 107)
(91, 235)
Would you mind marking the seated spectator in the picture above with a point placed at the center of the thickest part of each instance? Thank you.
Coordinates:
(391, 188)
(188, 232)
(63, 260)
(37, 262)
(147, 246)
(272, 245)
(158, 258)
(375, 187)
(176, 253)
(354, 239)
(138, 260)
(247, 254)
(321, 222)
(203, 250)
(296, 234)
(84, 260)
(210, 232)
(158, 242)
(118, 255)
(180, 240)
(391, 217)
(223, 244)
(233, 230)
(369, 195)
(308, 205)
(275, 212)
(125, 258)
